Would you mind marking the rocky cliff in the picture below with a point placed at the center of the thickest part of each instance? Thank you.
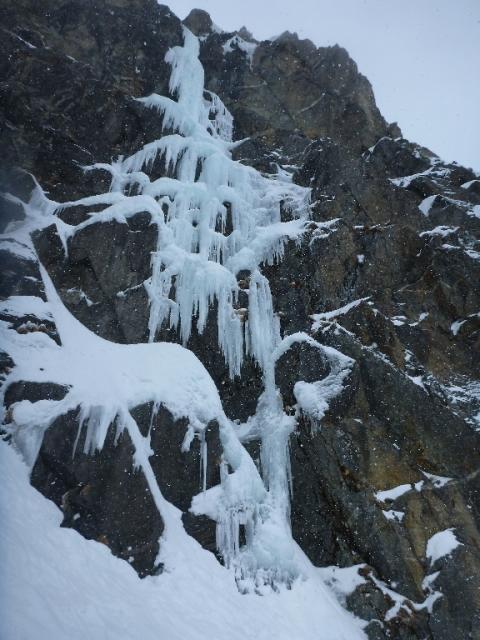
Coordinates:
(383, 271)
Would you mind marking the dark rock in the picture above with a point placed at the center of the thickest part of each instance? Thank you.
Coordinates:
(102, 496)
(202, 528)
(79, 91)
(17, 183)
(33, 391)
(423, 186)
(20, 275)
(330, 98)
(474, 188)
(6, 365)
(9, 212)
(199, 22)
(49, 246)
(85, 485)
(302, 361)
(179, 469)
(385, 438)
(77, 214)
(399, 157)
(110, 302)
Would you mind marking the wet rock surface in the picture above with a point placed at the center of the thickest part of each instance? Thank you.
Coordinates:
(393, 229)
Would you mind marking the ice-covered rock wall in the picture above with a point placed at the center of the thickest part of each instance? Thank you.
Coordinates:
(195, 265)
(356, 311)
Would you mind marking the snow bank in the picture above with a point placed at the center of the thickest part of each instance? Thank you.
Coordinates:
(326, 316)
(25, 306)
(105, 378)
(441, 544)
(55, 584)
(236, 42)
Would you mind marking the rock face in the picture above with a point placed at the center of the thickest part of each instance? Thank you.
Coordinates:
(102, 496)
(105, 498)
(389, 271)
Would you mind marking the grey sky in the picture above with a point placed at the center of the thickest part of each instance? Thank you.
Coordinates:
(421, 56)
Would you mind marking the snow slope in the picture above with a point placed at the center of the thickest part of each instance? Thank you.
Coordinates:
(54, 585)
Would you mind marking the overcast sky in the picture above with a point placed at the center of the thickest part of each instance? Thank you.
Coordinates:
(421, 56)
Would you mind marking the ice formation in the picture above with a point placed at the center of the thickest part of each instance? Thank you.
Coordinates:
(203, 195)
(218, 221)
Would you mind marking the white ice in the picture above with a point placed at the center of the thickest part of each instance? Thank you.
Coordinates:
(426, 205)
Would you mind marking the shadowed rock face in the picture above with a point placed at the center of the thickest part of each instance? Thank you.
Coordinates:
(70, 72)
(330, 98)
(102, 495)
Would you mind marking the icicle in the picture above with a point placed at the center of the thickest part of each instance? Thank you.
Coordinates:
(187, 77)
(263, 324)
(203, 460)
(222, 122)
